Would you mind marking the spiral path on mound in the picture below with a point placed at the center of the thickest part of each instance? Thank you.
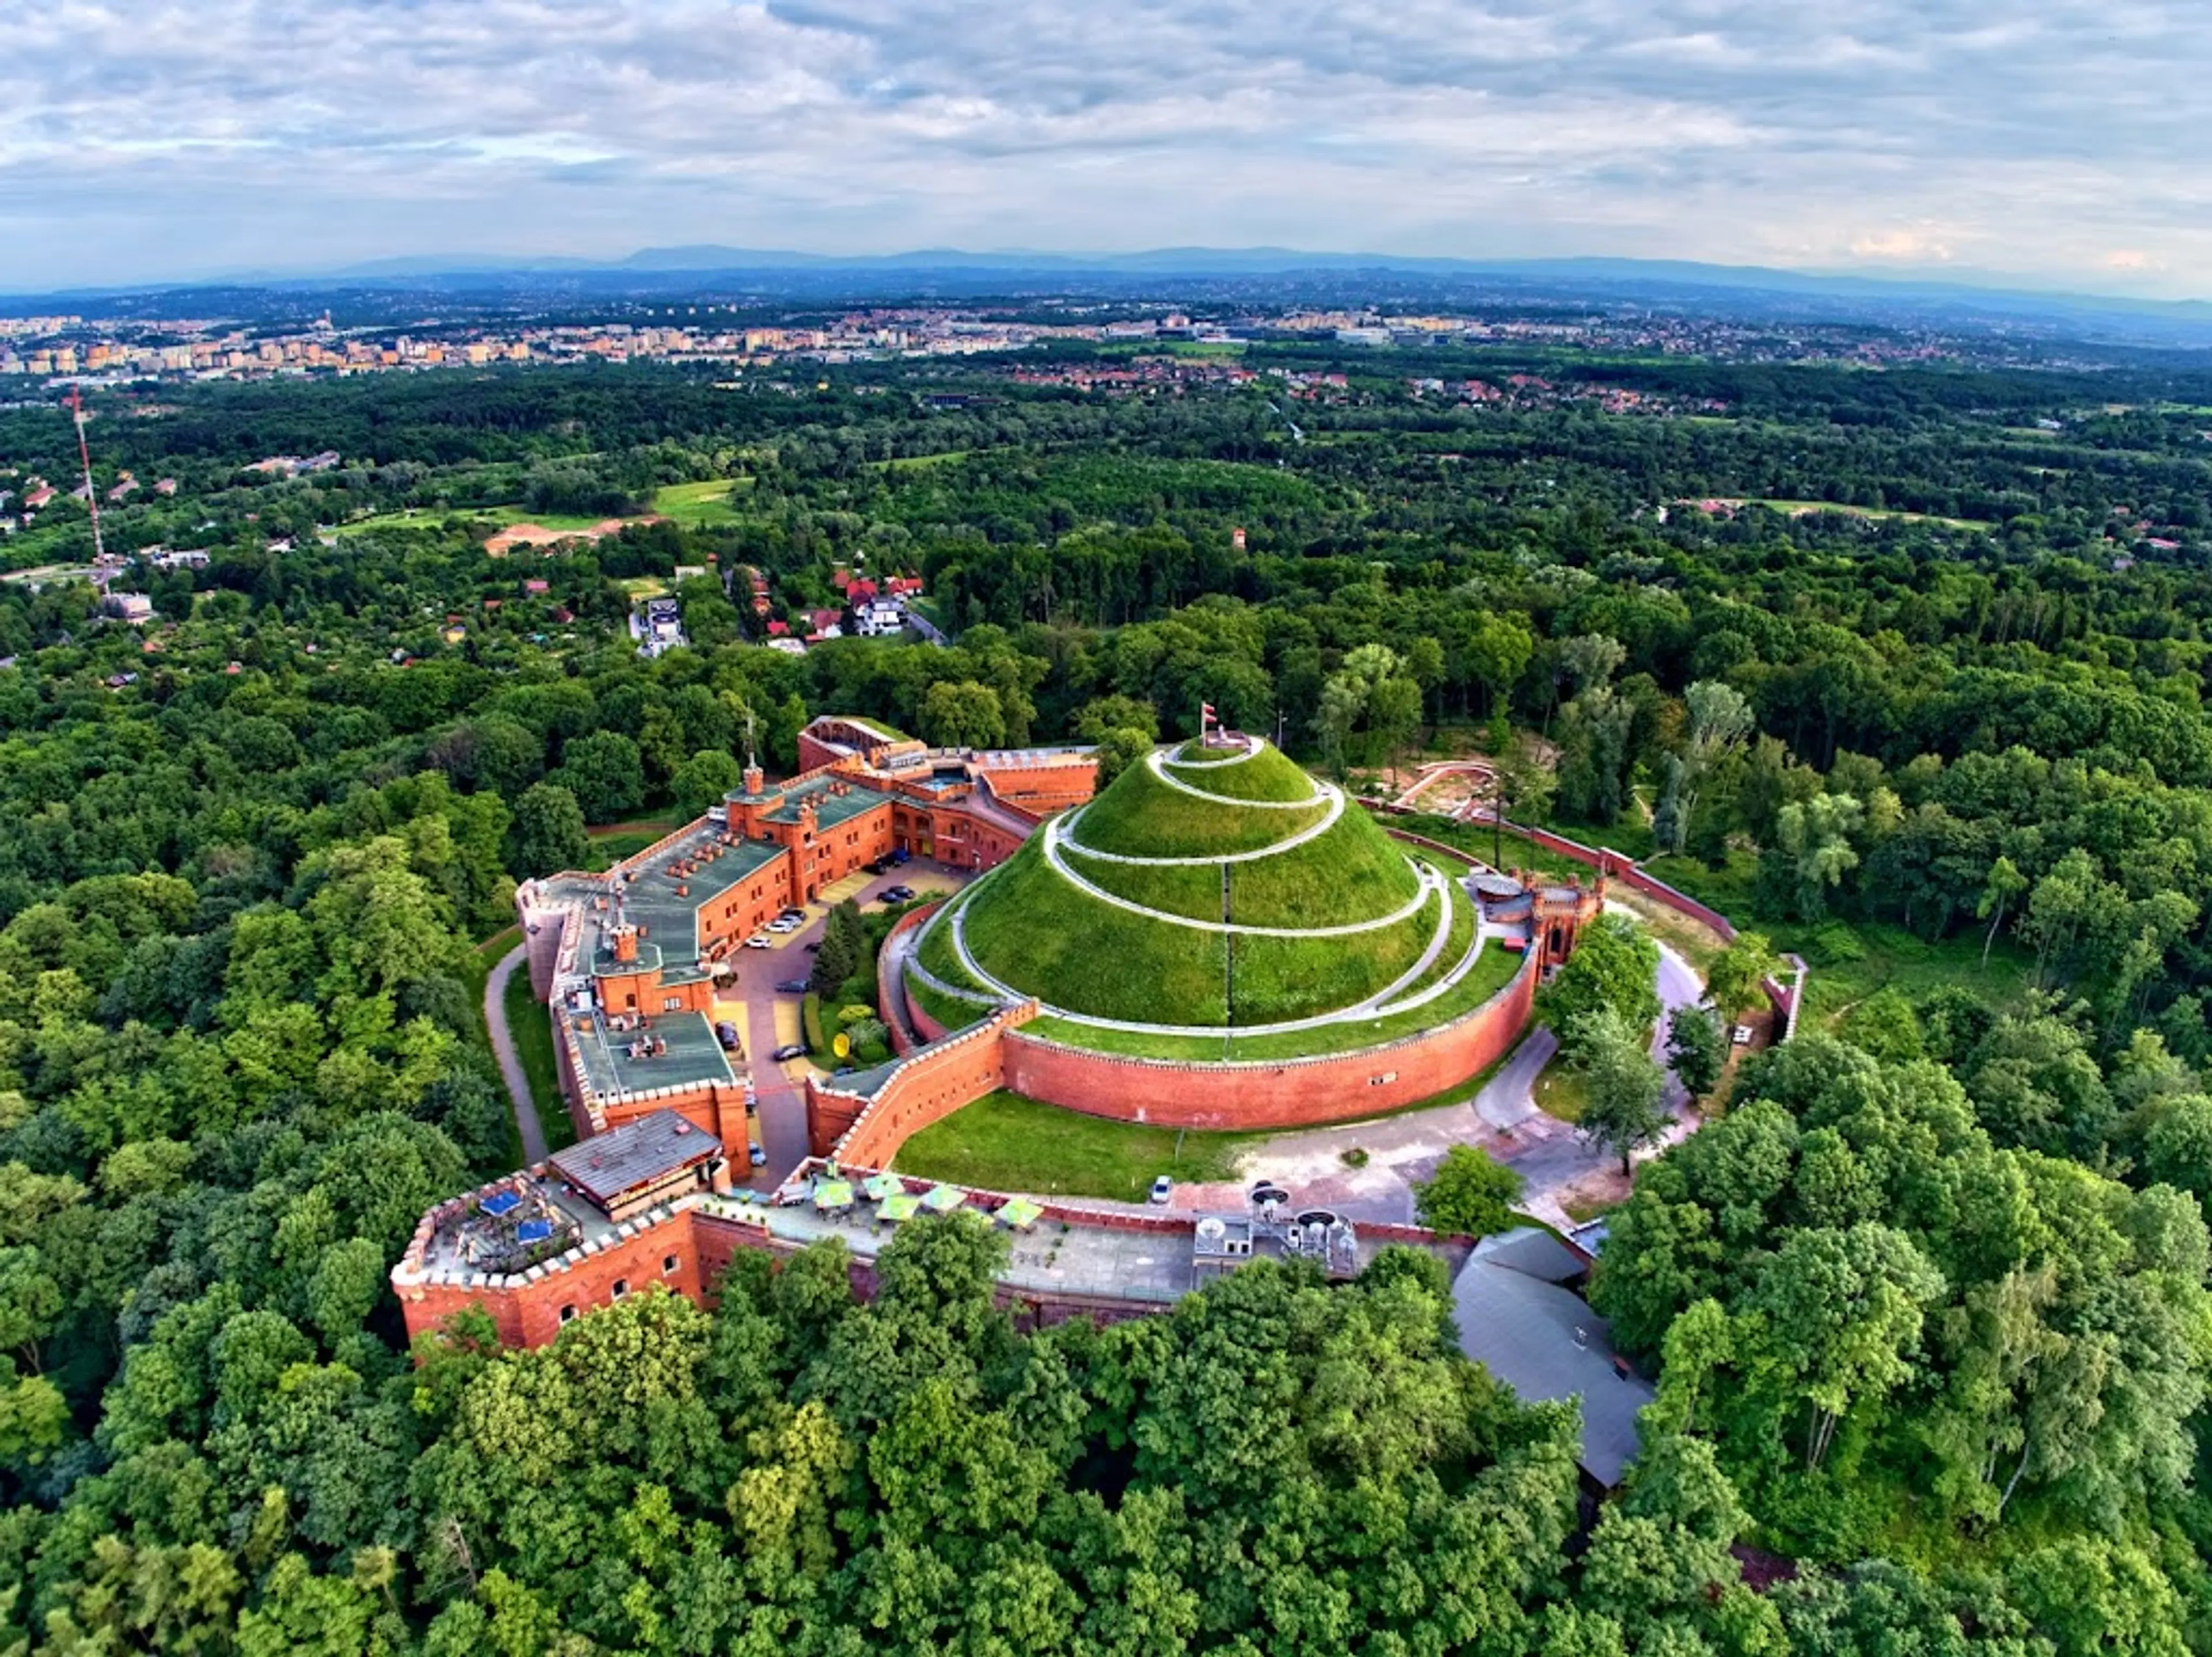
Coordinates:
(1060, 847)
(1429, 884)
(1323, 795)
(1384, 1003)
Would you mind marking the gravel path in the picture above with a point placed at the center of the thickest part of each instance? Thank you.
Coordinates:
(510, 1061)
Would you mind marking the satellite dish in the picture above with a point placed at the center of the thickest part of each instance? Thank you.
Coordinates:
(1211, 1228)
(842, 1046)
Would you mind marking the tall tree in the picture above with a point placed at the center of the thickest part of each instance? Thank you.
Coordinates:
(1625, 1109)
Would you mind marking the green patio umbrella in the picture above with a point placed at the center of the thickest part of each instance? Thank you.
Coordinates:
(833, 1194)
(898, 1206)
(1021, 1213)
(880, 1185)
(943, 1199)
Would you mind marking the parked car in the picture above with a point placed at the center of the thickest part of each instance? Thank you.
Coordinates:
(726, 1033)
(791, 986)
(784, 924)
(791, 915)
(790, 1050)
(759, 940)
(901, 857)
(897, 894)
(814, 948)
(757, 1157)
(1163, 1188)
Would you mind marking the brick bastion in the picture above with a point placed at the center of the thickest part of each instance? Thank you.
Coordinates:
(863, 1120)
(1068, 1259)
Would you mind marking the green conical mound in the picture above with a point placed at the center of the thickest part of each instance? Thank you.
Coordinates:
(1267, 775)
(1349, 872)
(1141, 815)
(1034, 929)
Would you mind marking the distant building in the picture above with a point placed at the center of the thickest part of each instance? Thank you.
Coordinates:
(1519, 1316)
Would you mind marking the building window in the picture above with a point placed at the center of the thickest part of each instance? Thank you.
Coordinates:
(671, 1003)
(620, 1288)
(568, 1314)
(668, 1267)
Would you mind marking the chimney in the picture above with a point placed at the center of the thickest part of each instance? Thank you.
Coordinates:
(755, 779)
(624, 940)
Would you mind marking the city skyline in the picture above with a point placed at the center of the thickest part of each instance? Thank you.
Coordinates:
(156, 143)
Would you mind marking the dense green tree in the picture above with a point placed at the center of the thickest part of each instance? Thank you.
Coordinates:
(1614, 968)
(549, 831)
(1696, 1048)
(605, 772)
(1468, 1194)
(1624, 1106)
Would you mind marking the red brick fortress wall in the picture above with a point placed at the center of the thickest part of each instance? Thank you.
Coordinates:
(1289, 1094)
(925, 1088)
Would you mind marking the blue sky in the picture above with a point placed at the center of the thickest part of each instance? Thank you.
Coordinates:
(2060, 142)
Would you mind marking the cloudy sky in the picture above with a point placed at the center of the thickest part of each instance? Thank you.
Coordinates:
(2062, 142)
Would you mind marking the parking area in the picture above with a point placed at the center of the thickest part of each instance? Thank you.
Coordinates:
(770, 1017)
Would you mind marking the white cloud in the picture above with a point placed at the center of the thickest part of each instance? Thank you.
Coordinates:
(144, 137)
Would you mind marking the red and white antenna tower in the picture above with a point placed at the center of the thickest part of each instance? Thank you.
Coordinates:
(84, 454)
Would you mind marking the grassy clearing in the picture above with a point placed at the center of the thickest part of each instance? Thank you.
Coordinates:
(1004, 1141)
(1477, 840)
(1852, 960)
(655, 826)
(532, 1031)
(918, 462)
(1562, 1091)
(702, 505)
(1140, 816)
(419, 517)
(610, 850)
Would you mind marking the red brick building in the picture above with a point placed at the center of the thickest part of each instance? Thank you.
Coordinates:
(627, 959)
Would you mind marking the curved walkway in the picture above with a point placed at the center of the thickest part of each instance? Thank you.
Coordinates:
(1158, 765)
(510, 1061)
(1380, 1003)
(1275, 849)
(1427, 882)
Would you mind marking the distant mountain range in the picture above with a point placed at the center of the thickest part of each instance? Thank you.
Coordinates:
(1991, 298)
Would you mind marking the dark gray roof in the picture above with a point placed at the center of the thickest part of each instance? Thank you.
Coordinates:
(1535, 1253)
(638, 1153)
(1544, 1342)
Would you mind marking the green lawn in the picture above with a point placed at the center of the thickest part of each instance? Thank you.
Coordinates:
(532, 1030)
(1562, 1091)
(1850, 960)
(1004, 1141)
(609, 850)
(702, 505)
